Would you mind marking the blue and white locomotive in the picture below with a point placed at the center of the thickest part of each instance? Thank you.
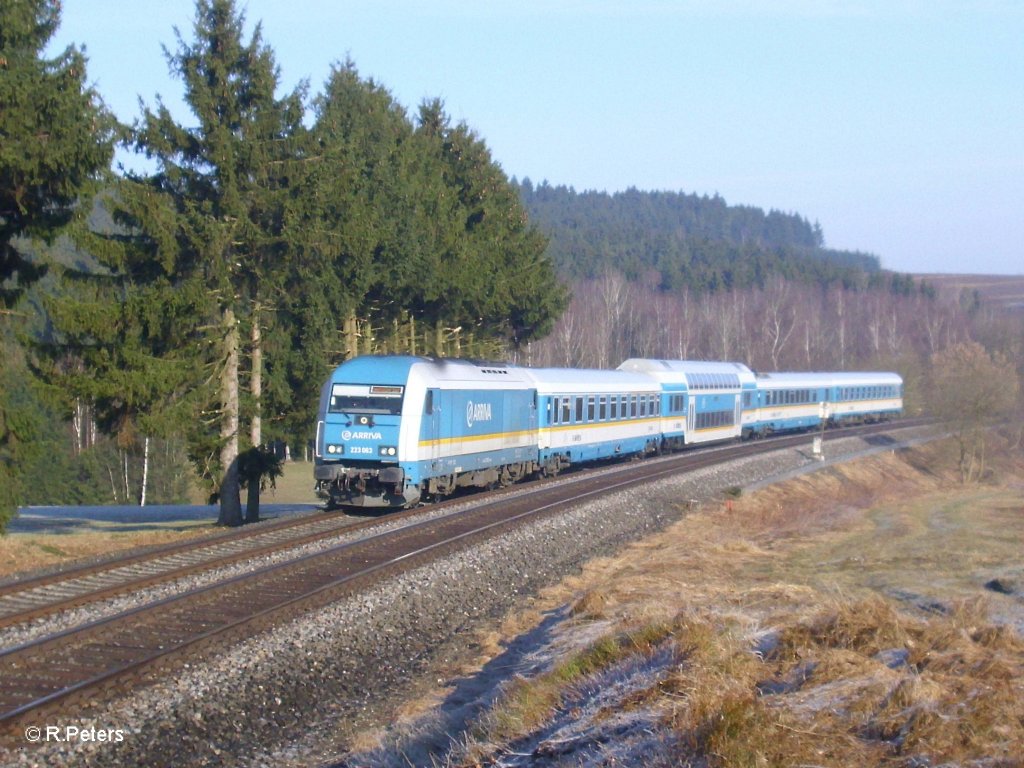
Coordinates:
(396, 429)
(392, 429)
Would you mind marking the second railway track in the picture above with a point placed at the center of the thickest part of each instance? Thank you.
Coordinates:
(116, 653)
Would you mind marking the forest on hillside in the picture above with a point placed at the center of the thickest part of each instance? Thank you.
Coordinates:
(687, 241)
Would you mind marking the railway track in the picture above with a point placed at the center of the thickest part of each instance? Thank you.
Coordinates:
(28, 599)
(66, 673)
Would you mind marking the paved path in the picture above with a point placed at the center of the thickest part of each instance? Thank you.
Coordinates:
(130, 518)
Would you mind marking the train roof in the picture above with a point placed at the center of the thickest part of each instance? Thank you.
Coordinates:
(788, 379)
(396, 369)
(676, 371)
(552, 380)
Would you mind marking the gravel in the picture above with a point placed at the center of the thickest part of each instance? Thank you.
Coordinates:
(295, 695)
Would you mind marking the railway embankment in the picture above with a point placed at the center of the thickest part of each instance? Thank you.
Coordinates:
(868, 614)
(323, 685)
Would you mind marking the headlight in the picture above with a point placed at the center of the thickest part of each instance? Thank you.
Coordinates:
(388, 450)
(335, 449)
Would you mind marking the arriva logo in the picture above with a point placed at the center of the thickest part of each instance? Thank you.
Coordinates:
(477, 412)
(350, 435)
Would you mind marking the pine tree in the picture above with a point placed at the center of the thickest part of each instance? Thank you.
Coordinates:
(493, 277)
(56, 144)
(56, 139)
(227, 179)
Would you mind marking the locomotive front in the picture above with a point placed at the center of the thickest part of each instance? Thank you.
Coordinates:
(357, 457)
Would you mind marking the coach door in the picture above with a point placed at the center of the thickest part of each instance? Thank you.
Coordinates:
(691, 417)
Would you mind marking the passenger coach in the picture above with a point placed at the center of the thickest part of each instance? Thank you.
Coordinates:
(793, 401)
(589, 415)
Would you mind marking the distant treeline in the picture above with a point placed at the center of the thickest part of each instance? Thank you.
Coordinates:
(675, 240)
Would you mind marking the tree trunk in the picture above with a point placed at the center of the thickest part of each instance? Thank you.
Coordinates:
(127, 484)
(145, 471)
(252, 502)
(256, 383)
(230, 501)
(351, 330)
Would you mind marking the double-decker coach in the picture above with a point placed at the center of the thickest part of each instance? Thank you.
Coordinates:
(700, 401)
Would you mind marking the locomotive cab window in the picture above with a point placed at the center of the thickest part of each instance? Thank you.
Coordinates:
(366, 398)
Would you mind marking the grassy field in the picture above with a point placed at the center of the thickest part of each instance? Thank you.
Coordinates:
(295, 486)
(869, 614)
(1004, 292)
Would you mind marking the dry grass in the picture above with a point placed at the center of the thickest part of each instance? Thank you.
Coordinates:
(21, 552)
(792, 648)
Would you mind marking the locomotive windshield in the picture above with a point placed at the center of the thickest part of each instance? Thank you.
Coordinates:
(366, 398)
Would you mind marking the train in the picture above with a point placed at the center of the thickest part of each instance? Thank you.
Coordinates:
(395, 430)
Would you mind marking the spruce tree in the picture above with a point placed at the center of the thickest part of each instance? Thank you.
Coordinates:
(56, 144)
(227, 177)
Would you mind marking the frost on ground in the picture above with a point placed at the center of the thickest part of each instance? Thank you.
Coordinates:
(869, 614)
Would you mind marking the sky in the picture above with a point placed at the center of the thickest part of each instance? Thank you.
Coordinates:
(898, 125)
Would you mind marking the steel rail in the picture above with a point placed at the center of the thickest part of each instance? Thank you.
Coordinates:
(51, 674)
(28, 599)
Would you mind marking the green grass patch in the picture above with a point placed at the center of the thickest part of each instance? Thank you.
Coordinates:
(50, 549)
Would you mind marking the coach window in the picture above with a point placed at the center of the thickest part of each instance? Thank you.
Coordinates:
(615, 407)
(602, 407)
(579, 410)
(632, 406)
(590, 408)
